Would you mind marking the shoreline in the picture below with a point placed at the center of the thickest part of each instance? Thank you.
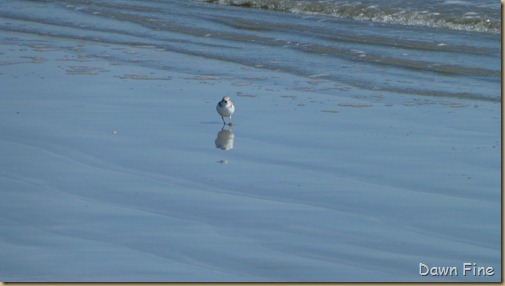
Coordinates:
(111, 171)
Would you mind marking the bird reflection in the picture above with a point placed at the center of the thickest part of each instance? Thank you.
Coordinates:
(224, 140)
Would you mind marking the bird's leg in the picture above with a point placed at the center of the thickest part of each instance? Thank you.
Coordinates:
(230, 122)
(224, 122)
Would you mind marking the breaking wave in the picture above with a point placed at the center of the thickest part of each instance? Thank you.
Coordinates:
(455, 15)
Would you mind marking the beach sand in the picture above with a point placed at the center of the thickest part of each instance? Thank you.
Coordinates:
(110, 172)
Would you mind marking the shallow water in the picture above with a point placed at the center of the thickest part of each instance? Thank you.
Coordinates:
(481, 16)
(415, 60)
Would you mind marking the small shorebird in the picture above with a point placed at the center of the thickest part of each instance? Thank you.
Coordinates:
(225, 108)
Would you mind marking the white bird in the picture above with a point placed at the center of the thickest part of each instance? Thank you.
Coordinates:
(225, 108)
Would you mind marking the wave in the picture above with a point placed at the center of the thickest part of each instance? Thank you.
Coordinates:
(454, 15)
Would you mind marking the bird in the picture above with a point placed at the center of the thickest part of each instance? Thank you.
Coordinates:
(225, 108)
